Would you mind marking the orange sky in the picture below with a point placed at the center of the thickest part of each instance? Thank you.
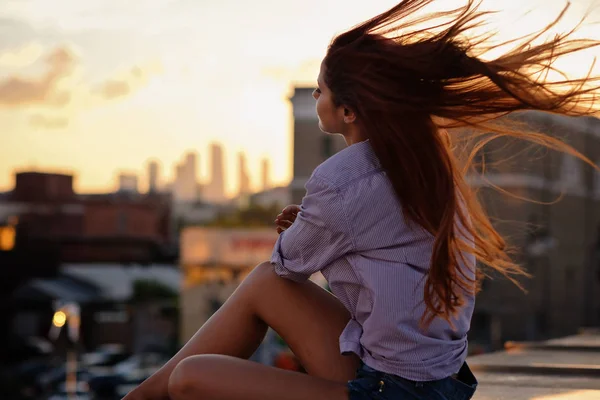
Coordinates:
(97, 86)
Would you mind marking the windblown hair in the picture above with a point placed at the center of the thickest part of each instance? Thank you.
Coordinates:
(406, 86)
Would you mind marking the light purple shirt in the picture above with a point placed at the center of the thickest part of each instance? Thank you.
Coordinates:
(352, 229)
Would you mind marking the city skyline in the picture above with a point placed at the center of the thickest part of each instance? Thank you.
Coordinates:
(150, 178)
(150, 175)
(187, 184)
(97, 87)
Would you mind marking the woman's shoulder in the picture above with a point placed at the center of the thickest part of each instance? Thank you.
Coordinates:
(348, 166)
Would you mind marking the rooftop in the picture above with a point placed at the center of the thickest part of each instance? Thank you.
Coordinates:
(561, 369)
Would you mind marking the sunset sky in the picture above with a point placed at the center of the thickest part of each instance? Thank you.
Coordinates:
(98, 86)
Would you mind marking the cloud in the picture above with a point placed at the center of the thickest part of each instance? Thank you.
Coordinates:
(44, 90)
(53, 86)
(61, 61)
(21, 57)
(112, 89)
(126, 83)
(47, 122)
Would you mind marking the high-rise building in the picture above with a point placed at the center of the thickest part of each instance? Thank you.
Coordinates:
(185, 186)
(244, 178)
(191, 170)
(214, 191)
(265, 174)
(178, 189)
(191, 176)
(153, 176)
(311, 146)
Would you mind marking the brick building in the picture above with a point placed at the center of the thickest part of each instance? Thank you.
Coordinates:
(115, 227)
(558, 243)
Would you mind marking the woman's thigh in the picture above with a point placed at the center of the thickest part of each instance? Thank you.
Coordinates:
(307, 317)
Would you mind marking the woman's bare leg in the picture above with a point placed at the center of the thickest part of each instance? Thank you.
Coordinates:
(216, 377)
(309, 319)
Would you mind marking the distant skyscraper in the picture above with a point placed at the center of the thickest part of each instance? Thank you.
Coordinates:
(266, 184)
(191, 176)
(179, 182)
(244, 177)
(128, 183)
(185, 187)
(215, 190)
(153, 176)
(191, 169)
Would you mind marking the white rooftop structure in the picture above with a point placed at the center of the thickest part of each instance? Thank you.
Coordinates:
(116, 280)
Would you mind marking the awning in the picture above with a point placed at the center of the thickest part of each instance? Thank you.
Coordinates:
(59, 288)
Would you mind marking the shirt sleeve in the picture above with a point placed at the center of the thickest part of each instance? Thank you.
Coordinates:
(319, 236)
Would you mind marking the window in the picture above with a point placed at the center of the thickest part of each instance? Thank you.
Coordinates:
(7, 234)
(7, 238)
(571, 178)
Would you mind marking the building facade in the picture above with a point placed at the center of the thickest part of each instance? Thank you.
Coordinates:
(555, 235)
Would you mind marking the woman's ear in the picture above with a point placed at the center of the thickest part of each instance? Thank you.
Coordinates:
(349, 115)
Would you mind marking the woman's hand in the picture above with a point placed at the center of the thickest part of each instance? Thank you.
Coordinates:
(287, 217)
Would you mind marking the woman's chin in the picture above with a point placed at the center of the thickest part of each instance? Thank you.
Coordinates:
(323, 128)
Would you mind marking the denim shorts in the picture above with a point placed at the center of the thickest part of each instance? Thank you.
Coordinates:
(372, 384)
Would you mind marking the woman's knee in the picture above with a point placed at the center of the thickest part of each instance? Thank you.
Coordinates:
(263, 274)
(179, 381)
(264, 270)
(189, 377)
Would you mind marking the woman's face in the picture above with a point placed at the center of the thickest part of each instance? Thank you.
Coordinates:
(331, 117)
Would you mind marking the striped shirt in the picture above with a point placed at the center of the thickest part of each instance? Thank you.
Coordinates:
(351, 228)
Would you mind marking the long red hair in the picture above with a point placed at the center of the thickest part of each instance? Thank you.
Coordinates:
(405, 86)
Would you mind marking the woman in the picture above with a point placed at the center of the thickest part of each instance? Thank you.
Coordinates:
(389, 221)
